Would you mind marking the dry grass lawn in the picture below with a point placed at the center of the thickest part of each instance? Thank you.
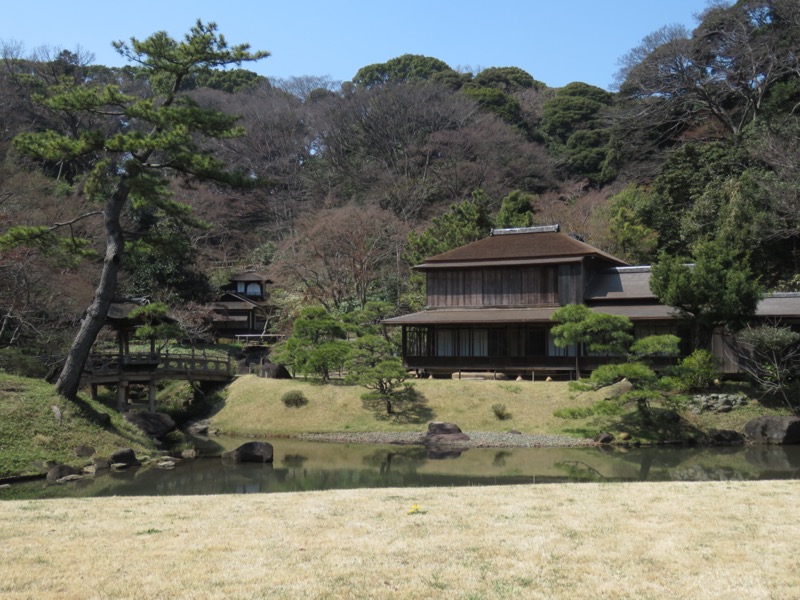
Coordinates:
(253, 407)
(640, 540)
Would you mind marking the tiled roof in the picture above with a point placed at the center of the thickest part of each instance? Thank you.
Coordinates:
(524, 247)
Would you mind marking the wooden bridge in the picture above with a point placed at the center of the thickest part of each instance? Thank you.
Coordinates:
(121, 370)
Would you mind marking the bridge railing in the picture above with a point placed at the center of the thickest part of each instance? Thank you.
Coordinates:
(100, 363)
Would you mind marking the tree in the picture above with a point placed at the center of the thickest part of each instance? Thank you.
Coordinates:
(507, 79)
(340, 255)
(722, 71)
(579, 326)
(372, 363)
(131, 153)
(463, 223)
(316, 345)
(408, 67)
(771, 357)
(516, 210)
(718, 290)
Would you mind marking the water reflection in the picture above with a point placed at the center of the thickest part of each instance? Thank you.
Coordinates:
(302, 466)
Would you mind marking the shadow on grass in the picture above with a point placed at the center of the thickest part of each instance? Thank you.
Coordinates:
(406, 406)
(663, 426)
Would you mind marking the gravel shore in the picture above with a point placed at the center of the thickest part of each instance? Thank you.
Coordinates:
(477, 439)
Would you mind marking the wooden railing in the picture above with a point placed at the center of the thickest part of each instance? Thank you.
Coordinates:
(194, 363)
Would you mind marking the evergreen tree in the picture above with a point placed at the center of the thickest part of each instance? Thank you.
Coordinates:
(131, 152)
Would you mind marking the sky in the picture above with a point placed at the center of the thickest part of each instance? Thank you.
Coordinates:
(556, 41)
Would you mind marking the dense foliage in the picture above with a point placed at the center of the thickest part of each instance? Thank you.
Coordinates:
(344, 186)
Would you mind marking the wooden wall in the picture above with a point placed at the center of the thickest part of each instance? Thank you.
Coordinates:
(506, 286)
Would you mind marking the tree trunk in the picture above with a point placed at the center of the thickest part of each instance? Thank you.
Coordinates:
(70, 378)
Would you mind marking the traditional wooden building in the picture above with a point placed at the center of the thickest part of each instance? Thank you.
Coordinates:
(242, 308)
(490, 303)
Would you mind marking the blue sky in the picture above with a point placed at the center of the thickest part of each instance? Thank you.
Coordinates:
(556, 41)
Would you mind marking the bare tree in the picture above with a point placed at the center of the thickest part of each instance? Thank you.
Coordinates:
(341, 254)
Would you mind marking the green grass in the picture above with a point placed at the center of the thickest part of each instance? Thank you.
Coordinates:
(253, 407)
(31, 435)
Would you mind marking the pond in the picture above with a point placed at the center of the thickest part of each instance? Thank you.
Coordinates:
(302, 465)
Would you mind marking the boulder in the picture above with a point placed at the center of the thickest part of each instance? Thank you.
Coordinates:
(83, 451)
(771, 429)
(151, 423)
(199, 428)
(250, 452)
(125, 456)
(725, 437)
(60, 471)
(444, 434)
(274, 371)
(604, 438)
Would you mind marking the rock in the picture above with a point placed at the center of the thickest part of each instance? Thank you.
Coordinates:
(250, 452)
(604, 438)
(440, 428)
(519, 378)
(770, 429)
(199, 428)
(69, 478)
(60, 471)
(514, 432)
(274, 371)
(624, 436)
(669, 416)
(151, 423)
(101, 464)
(725, 437)
(189, 453)
(119, 466)
(444, 434)
(165, 464)
(83, 451)
(125, 456)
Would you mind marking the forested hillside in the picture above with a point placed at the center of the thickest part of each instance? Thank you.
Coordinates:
(335, 188)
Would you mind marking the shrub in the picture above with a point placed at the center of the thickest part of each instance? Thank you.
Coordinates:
(501, 412)
(294, 399)
(698, 371)
(574, 412)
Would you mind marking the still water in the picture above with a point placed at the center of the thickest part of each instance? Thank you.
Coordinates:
(300, 466)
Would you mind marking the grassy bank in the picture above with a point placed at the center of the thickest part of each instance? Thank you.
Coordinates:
(572, 541)
(253, 407)
(37, 425)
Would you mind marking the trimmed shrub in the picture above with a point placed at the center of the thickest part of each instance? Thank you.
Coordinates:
(501, 412)
(294, 399)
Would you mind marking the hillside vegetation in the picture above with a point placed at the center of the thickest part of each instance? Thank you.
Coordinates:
(37, 426)
(253, 407)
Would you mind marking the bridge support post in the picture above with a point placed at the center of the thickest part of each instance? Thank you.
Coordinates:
(152, 395)
(122, 395)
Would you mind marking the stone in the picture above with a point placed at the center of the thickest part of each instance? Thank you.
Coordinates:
(624, 436)
(60, 471)
(274, 371)
(250, 452)
(83, 451)
(444, 434)
(69, 478)
(725, 437)
(604, 438)
(189, 453)
(771, 429)
(199, 428)
(101, 464)
(669, 416)
(125, 456)
(151, 423)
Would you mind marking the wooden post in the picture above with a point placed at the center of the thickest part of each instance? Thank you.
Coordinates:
(152, 394)
(93, 389)
(122, 395)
